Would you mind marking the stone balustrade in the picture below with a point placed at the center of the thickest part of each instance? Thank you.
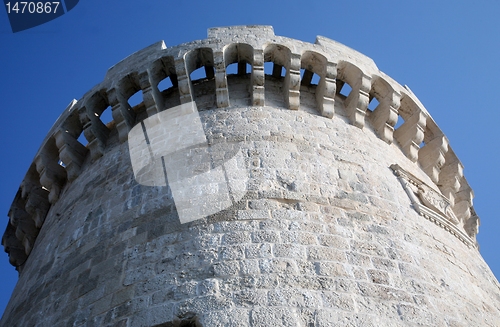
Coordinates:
(61, 155)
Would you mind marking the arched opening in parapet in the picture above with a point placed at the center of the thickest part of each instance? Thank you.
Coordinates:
(101, 109)
(312, 88)
(238, 68)
(131, 92)
(165, 84)
(50, 150)
(201, 72)
(238, 58)
(373, 104)
(343, 88)
(308, 87)
(137, 107)
(274, 70)
(232, 69)
(169, 90)
(399, 122)
(163, 71)
(135, 99)
(276, 63)
(409, 131)
(96, 106)
(106, 116)
(308, 78)
(82, 139)
(74, 128)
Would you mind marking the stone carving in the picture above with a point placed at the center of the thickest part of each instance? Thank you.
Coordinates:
(433, 205)
(436, 201)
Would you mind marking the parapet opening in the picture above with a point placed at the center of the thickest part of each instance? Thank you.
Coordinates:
(203, 83)
(308, 78)
(163, 73)
(201, 72)
(238, 68)
(276, 63)
(82, 139)
(399, 122)
(343, 88)
(169, 90)
(274, 79)
(308, 87)
(165, 84)
(273, 85)
(106, 116)
(232, 69)
(373, 103)
(135, 99)
(238, 83)
(274, 70)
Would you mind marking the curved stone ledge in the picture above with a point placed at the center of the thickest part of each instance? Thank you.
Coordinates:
(61, 156)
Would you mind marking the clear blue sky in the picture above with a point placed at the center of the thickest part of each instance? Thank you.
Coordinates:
(446, 51)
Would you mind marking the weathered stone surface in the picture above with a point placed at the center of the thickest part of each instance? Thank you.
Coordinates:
(327, 234)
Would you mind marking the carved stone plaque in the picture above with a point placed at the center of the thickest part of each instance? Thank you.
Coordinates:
(431, 204)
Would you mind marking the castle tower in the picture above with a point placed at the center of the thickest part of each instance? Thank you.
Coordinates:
(287, 184)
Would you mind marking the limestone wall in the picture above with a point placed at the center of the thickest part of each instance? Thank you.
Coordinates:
(327, 234)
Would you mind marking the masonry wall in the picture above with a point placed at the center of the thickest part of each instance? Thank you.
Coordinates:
(325, 236)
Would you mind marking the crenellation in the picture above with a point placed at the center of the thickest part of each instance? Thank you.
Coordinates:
(431, 156)
(183, 80)
(450, 175)
(411, 133)
(258, 78)
(52, 174)
(463, 201)
(316, 63)
(37, 205)
(14, 247)
(71, 152)
(94, 129)
(358, 98)
(291, 83)
(25, 227)
(152, 97)
(221, 89)
(385, 116)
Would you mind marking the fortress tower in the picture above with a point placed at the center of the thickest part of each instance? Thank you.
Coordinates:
(341, 202)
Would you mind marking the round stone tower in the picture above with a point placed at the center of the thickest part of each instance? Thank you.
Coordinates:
(283, 184)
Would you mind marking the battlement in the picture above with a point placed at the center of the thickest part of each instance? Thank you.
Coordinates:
(344, 83)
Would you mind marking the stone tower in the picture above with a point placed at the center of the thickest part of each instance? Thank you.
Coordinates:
(345, 205)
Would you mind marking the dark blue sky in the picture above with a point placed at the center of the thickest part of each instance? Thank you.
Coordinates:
(446, 52)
